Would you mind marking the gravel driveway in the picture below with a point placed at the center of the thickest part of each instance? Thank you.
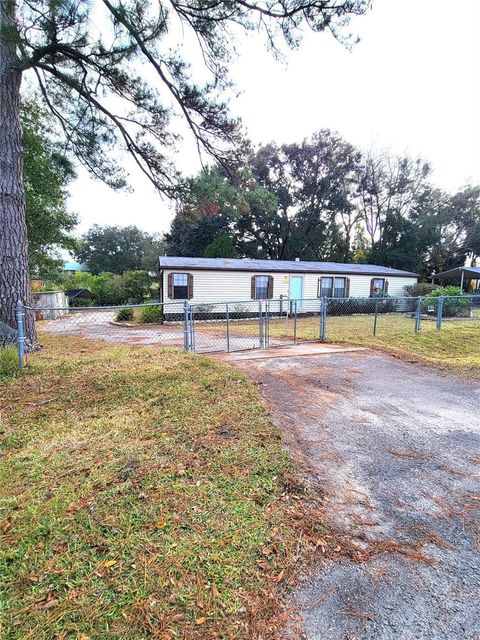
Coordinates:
(396, 449)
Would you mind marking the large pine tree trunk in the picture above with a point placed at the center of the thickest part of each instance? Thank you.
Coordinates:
(14, 276)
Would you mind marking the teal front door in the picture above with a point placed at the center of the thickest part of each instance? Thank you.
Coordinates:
(296, 289)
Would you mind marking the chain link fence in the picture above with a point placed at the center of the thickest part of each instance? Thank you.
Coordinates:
(124, 324)
(256, 324)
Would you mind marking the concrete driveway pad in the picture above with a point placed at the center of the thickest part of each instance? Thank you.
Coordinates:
(395, 447)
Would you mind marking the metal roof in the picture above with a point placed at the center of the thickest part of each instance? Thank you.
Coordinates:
(474, 272)
(80, 293)
(283, 266)
(75, 266)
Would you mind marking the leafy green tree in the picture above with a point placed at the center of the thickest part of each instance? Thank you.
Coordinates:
(206, 209)
(445, 228)
(118, 249)
(324, 170)
(359, 256)
(214, 205)
(108, 287)
(389, 188)
(46, 174)
(269, 229)
(156, 247)
(466, 212)
(86, 58)
(306, 210)
(137, 284)
(221, 247)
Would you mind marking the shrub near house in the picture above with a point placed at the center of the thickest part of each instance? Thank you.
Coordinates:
(151, 315)
(349, 306)
(124, 315)
(453, 307)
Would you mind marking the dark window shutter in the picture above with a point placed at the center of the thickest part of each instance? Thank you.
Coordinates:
(252, 290)
(190, 286)
(347, 287)
(371, 287)
(385, 286)
(270, 287)
(170, 285)
(319, 288)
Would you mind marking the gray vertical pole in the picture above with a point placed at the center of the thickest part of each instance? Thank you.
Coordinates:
(461, 281)
(267, 324)
(228, 326)
(192, 328)
(186, 336)
(320, 320)
(418, 315)
(439, 312)
(260, 324)
(20, 334)
(375, 318)
(294, 322)
(323, 334)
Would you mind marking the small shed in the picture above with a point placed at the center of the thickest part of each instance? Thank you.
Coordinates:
(75, 296)
(460, 276)
(49, 304)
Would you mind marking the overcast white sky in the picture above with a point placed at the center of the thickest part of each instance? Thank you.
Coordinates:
(411, 84)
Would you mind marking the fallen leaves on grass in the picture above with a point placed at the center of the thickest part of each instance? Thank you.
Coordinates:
(179, 518)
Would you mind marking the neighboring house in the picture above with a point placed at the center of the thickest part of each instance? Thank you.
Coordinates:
(468, 278)
(223, 279)
(73, 267)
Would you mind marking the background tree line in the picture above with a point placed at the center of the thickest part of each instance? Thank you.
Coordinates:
(323, 199)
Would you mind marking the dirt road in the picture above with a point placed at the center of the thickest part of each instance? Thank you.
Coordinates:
(396, 449)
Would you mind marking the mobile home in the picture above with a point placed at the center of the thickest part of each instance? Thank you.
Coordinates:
(220, 280)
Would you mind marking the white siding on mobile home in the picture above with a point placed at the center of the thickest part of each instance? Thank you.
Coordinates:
(225, 286)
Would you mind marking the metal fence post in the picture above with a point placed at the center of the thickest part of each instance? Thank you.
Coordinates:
(375, 319)
(294, 322)
(439, 312)
(267, 324)
(260, 324)
(323, 332)
(227, 316)
(20, 334)
(418, 314)
(186, 333)
(192, 328)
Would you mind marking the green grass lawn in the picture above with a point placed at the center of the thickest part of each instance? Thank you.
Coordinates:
(144, 494)
(8, 362)
(456, 347)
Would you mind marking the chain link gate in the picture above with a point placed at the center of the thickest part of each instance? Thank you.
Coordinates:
(252, 324)
(226, 326)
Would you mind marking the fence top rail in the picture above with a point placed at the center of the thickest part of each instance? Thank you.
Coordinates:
(102, 308)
